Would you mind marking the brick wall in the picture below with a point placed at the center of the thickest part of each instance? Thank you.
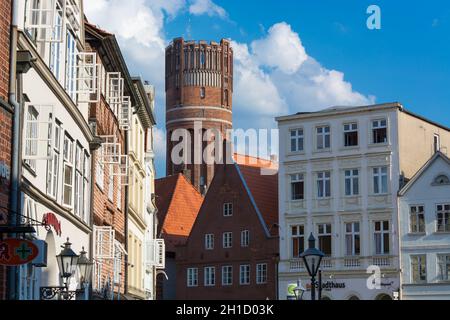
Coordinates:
(227, 187)
(5, 123)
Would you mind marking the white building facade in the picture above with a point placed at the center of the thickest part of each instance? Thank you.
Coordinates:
(338, 179)
(55, 152)
(424, 221)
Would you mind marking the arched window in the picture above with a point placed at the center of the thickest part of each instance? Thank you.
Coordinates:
(225, 98)
(353, 298)
(202, 92)
(441, 179)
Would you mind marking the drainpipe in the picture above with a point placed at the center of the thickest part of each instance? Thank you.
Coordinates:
(125, 284)
(15, 152)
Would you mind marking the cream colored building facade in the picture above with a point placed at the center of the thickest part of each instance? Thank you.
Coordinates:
(142, 245)
(340, 171)
(55, 180)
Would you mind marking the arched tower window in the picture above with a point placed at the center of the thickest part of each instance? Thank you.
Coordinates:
(202, 59)
(225, 98)
(202, 92)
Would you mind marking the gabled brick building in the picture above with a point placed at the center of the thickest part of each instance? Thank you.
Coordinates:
(178, 203)
(232, 249)
(110, 118)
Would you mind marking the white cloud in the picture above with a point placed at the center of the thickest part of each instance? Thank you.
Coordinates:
(199, 7)
(277, 77)
(282, 49)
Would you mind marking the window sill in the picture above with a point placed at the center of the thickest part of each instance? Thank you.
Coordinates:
(345, 148)
(382, 144)
(318, 151)
(441, 233)
(416, 234)
(296, 153)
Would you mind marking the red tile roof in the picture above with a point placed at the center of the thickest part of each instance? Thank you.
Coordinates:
(261, 177)
(178, 204)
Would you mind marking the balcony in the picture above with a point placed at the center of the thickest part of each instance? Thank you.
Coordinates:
(346, 263)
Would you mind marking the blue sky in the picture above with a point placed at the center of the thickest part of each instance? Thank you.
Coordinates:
(325, 54)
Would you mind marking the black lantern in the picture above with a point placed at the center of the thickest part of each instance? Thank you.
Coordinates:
(84, 267)
(312, 258)
(299, 290)
(67, 261)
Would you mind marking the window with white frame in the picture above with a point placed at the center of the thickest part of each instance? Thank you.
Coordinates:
(443, 218)
(323, 137)
(380, 180)
(227, 275)
(244, 274)
(56, 47)
(227, 240)
(117, 263)
(436, 143)
(68, 171)
(227, 209)
(192, 277)
(31, 135)
(352, 239)
(297, 240)
(297, 140)
(418, 268)
(443, 267)
(261, 273)
(71, 62)
(86, 188)
(324, 184)
(111, 183)
(53, 164)
(351, 182)
(297, 187)
(209, 241)
(78, 199)
(379, 131)
(416, 219)
(381, 235)
(210, 276)
(350, 134)
(245, 238)
(99, 173)
(325, 238)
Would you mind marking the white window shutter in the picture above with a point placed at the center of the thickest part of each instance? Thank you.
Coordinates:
(39, 129)
(125, 114)
(104, 242)
(114, 91)
(121, 170)
(87, 73)
(46, 20)
(110, 151)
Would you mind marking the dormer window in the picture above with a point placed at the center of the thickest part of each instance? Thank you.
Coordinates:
(441, 180)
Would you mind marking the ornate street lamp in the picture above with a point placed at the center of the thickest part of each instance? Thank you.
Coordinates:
(68, 261)
(84, 267)
(312, 258)
(299, 290)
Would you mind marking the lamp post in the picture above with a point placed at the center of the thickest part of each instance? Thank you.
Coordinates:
(312, 258)
(84, 271)
(68, 261)
(299, 290)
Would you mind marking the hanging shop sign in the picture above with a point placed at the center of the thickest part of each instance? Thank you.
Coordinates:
(50, 220)
(14, 252)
